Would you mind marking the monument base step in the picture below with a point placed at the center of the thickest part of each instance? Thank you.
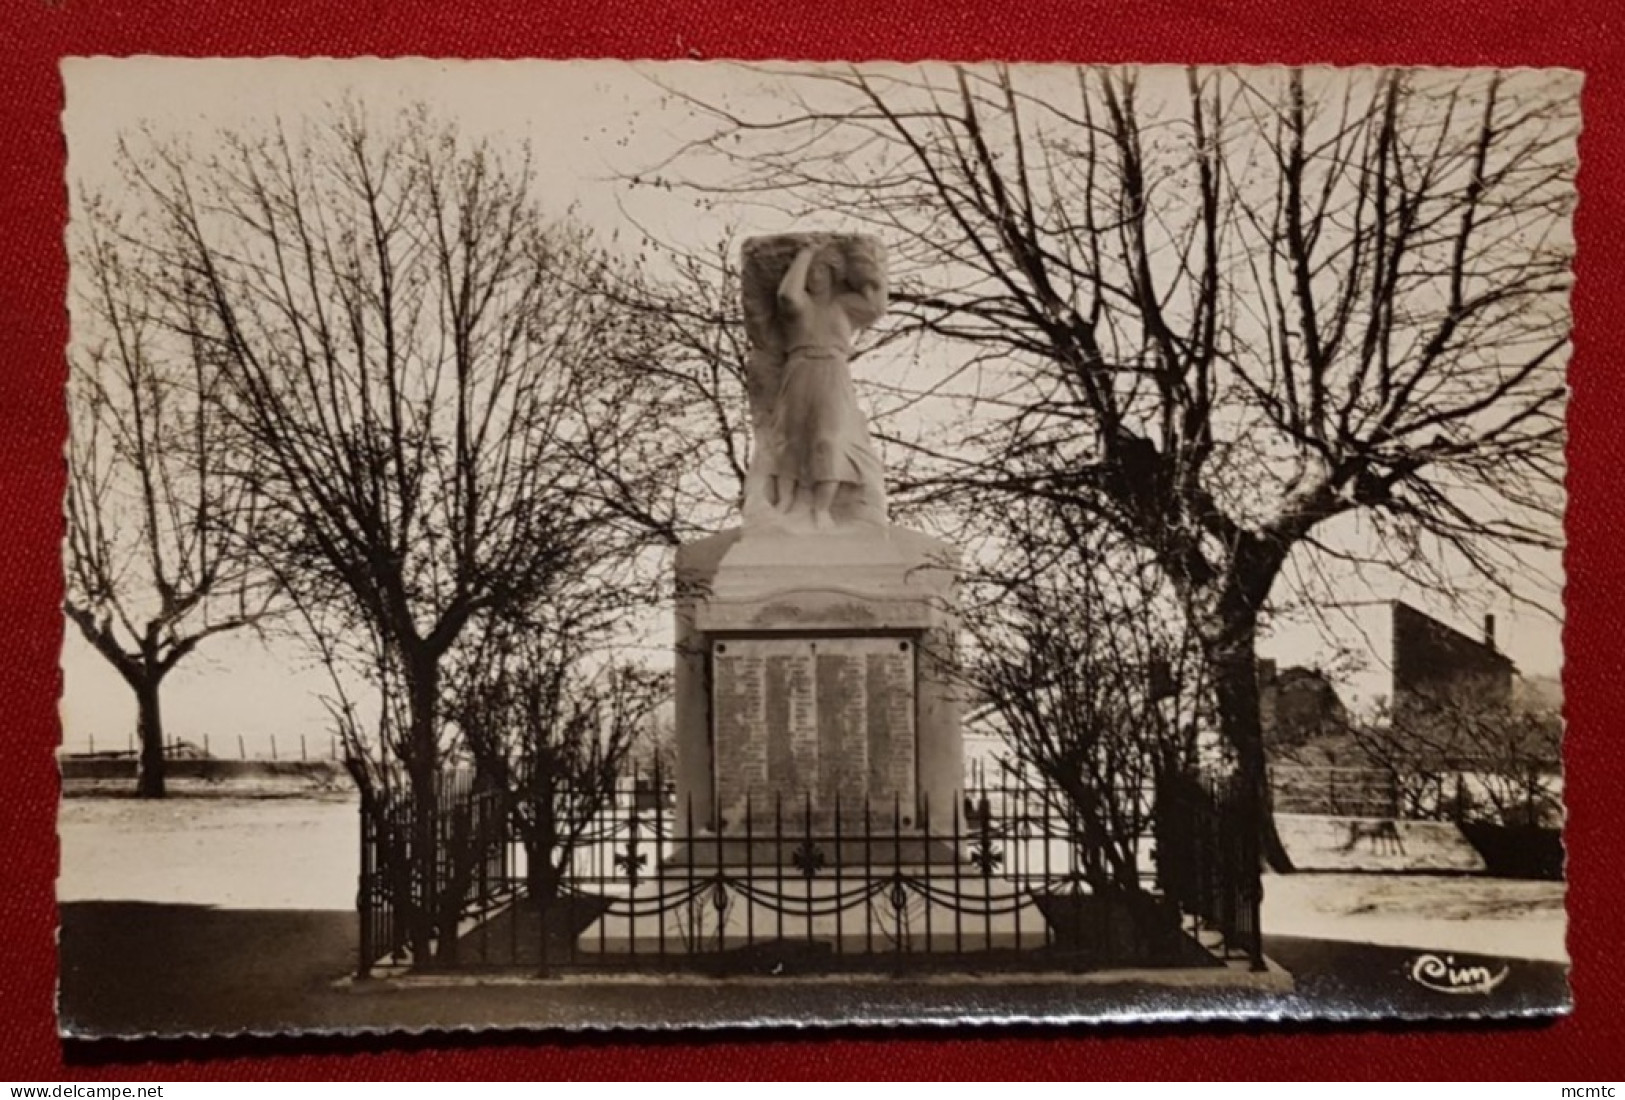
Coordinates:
(902, 913)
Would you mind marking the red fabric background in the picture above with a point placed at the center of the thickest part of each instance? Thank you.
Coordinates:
(1584, 34)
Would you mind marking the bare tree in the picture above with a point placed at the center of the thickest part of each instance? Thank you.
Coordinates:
(550, 715)
(441, 410)
(1078, 661)
(1243, 305)
(156, 560)
(1460, 752)
(1408, 768)
(693, 302)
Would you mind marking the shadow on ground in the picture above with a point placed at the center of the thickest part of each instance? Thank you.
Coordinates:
(139, 969)
(1334, 978)
(131, 967)
(512, 939)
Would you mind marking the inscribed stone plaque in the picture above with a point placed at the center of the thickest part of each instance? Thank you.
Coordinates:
(890, 681)
(740, 709)
(806, 724)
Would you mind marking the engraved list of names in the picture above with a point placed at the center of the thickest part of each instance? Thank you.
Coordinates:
(810, 720)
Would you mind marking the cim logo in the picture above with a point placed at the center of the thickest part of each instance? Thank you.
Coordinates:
(1442, 975)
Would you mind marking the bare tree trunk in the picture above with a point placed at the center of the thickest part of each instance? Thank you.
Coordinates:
(545, 884)
(149, 727)
(423, 690)
(1235, 685)
(461, 851)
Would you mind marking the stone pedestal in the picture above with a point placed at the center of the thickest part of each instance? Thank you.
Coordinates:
(813, 678)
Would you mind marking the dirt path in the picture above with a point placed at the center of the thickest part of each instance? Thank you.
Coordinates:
(1495, 917)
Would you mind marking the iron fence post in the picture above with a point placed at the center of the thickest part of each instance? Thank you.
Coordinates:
(363, 896)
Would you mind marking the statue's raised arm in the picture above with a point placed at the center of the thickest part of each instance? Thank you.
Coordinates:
(793, 287)
(806, 297)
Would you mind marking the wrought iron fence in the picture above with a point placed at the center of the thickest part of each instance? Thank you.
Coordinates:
(1208, 856)
(1008, 877)
(469, 873)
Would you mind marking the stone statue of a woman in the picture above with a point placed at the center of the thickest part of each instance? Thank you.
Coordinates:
(815, 462)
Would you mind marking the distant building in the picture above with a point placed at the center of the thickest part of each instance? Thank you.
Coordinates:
(1297, 705)
(1420, 693)
(1466, 690)
(1419, 664)
(1434, 663)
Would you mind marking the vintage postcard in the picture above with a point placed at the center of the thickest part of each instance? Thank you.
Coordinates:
(664, 545)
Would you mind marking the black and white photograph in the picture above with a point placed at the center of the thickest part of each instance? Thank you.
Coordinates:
(663, 545)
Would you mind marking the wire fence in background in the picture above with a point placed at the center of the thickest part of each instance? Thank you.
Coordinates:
(301, 746)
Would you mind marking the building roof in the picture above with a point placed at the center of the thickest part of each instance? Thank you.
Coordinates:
(1426, 651)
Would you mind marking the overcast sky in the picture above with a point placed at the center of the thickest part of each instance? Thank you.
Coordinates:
(590, 125)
